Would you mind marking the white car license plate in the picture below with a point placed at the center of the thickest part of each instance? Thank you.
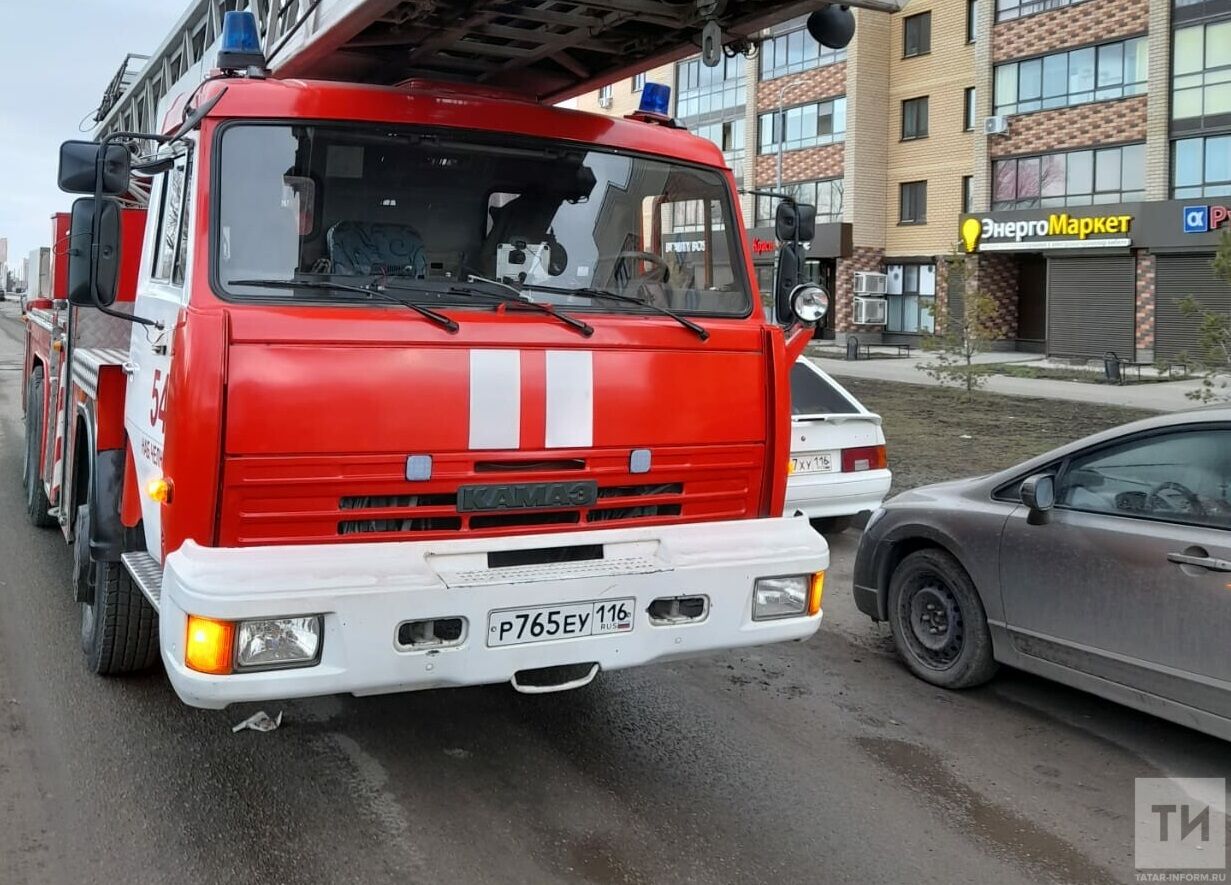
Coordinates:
(516, 626)
(813, 462)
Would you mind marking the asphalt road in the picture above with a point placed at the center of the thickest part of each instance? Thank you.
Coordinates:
(819, 762)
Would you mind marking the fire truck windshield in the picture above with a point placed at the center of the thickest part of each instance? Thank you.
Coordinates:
(355, 204)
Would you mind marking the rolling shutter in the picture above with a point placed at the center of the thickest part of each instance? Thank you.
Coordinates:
(1176, 277)
(1091, 306)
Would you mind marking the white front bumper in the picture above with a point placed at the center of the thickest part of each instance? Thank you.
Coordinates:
(365, 591)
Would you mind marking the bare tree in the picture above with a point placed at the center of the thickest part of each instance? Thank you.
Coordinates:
(961, 336)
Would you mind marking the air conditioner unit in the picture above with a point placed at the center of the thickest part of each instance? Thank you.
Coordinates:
(871, 311)
(867, 283)
(605, 101)
(998, 125)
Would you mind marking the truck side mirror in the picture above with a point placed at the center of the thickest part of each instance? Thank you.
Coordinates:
(79, 167)
(788, 275)
(93, 265)
(795, 222)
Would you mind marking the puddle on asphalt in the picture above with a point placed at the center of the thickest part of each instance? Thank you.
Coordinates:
(999, 829)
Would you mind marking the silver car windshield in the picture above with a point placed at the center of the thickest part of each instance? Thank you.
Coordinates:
(354, 204)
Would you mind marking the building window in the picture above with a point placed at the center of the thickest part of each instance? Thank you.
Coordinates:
(969, 109)
(702, 91)
(1010, 9)
(911, 293)
(808, 126)
(692, 216)
(972, 20)
(915, 118)
(1201, 167)
(728, 135)
(913, 203)
(604, 96)
(1074, 178)
(825, 195)
(1096, 73)
(917, 35)
(968, 193)
(794, 52)
(1201, 72)
(638, 82)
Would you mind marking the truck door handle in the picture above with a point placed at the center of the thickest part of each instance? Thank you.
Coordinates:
(130, 368)
(1206, 562)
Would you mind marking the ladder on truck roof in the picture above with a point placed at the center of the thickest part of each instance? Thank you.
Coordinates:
(548, 49)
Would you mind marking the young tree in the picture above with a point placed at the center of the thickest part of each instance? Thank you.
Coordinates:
(1213, 359)
(961, 336)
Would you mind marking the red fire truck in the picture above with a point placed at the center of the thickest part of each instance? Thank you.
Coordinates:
(398, 377)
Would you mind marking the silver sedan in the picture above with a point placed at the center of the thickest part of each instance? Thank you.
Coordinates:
(1105, 565)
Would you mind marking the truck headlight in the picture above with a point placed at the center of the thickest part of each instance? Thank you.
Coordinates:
(271, 643)
(781, 597)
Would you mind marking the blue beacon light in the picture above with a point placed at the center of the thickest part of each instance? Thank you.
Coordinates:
(655, 101)
(240, 47)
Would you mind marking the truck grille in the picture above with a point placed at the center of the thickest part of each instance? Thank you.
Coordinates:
(315, 500)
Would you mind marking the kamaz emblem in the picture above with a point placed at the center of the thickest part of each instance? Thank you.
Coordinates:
(527, 496)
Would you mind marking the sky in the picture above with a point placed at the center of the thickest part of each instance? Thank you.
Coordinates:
(56, 58)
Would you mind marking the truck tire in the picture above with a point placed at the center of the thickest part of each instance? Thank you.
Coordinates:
(937, 620)
(119, 627)
(38, 508)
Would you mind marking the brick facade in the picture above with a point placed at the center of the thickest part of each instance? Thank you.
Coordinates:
(1145, 306)
(996, 276)
(863, 258)
(1074, 25)
(796, 89)
(1103, 123)
(805, 165)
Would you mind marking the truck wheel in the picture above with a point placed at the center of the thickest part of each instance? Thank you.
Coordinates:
(37, 506)
(119, 627)
(938, 624)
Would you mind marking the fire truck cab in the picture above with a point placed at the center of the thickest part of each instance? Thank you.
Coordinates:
(397, 387)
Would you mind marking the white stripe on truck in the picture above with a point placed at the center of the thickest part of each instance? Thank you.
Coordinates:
(570, 399)
(495, 399)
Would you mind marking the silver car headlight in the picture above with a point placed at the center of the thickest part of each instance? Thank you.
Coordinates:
(877, 515)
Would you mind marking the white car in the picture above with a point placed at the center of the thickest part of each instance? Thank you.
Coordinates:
(838, 465)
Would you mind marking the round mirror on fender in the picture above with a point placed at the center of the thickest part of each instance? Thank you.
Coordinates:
(809, 303)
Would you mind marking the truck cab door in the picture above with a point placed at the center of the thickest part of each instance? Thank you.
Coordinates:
(161, 294)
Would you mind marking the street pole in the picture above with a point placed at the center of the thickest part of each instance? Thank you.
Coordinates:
(781, 133)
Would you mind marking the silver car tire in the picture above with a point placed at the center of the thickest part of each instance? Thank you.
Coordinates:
(938, 623)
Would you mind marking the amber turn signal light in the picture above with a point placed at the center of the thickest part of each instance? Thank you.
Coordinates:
(159, 490)
(815, 593)
(209, 645)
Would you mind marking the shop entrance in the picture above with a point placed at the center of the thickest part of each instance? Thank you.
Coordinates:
(1032, 303)
(819, 270)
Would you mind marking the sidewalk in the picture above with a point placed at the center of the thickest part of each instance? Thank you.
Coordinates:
(1158, 397)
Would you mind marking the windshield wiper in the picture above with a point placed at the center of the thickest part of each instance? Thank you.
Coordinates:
(371, 290)
(514, 296)
(588, 292)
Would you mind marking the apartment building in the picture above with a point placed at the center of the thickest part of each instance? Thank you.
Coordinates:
(1100, 208)
(1071, 160)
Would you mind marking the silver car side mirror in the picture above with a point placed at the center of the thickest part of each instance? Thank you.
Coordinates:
(1039, 494)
